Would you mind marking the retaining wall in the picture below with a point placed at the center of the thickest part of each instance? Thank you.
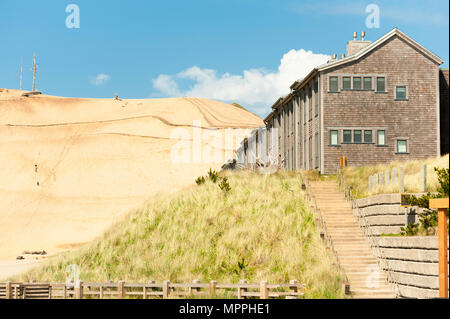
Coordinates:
(382, 214)
(412, 262)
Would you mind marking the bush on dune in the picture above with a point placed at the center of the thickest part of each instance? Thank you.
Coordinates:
(261, 230)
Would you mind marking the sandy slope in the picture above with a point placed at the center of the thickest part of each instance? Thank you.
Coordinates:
(97, 159)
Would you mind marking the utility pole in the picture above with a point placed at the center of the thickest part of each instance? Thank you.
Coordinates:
(34, 71)
(21, 71)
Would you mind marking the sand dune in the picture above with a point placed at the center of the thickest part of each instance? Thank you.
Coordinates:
(94, 160)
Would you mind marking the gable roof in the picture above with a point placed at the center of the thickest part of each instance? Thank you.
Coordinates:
(358, 55)
(379, 42)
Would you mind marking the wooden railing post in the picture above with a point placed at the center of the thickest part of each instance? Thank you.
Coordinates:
(8, 292)
(144, 292)
(263, 291)
(121, 289)
(441, 204)
(79, 289)
(192, 290)
(241, 290)
(212, 287)
(293, 288)
(166, 289)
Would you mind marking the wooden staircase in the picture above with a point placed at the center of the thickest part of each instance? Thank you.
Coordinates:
(351, 245)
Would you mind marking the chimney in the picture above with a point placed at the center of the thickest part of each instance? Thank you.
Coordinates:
(342, 55)
(353, 46)
(333, 58)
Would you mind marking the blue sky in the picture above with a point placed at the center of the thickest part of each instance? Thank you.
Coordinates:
(232, 50)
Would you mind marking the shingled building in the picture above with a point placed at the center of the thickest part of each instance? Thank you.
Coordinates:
(378, 103)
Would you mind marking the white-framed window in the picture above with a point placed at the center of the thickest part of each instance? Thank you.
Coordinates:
(357, 83)
(347, 136)
(346, 83)
(402, 146)
(400, 92)
(367, 136)
(381, 84)
(334, 84)
(334, 137)
(381, 137)
(367, 83)
(357, 136)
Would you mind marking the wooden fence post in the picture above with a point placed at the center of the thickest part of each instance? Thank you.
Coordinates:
(241, 290)
(192, 290)
(212, 287)
(166, 289)
(293, 288)
(401, 180)
(8, 292)
(79, 289)
(380, 179)
(144, 292)
(263, 291)
(121, 289)
(423, 178)
(442, 205)
(394, 176)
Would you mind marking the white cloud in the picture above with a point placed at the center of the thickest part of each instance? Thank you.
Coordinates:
(100, 79)
(256, 88)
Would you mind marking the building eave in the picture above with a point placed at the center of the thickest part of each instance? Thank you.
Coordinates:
(297, 85)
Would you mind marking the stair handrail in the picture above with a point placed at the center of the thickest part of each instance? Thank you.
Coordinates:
(318, 213)
(376, 247)
(382, 263)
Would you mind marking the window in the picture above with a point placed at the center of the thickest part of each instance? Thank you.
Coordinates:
(310, 152)
(381, 84)
(316, 136)
(381, 137)
(334, 84)
(357, 136)
(333, 137)
(367, 83)
(357, 83)
(346, 83)
(316, 97)
(310, 102)
(401, 146)
(304, 107)
(347, 136)
(400, 92)
(367, 136)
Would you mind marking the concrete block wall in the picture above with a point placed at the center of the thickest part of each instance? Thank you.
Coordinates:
(382, 214)
(412, 262)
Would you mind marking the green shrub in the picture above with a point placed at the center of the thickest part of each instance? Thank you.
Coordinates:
(213, 175)
(200, 180)
(224, 185)
(428, 220)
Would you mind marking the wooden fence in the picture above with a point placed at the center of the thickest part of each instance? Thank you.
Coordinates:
(165, 289)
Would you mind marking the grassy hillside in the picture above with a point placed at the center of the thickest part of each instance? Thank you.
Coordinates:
(358, 177)
(260, 230)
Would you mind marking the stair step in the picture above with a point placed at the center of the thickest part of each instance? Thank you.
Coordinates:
(373, 291)
(351, 245)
